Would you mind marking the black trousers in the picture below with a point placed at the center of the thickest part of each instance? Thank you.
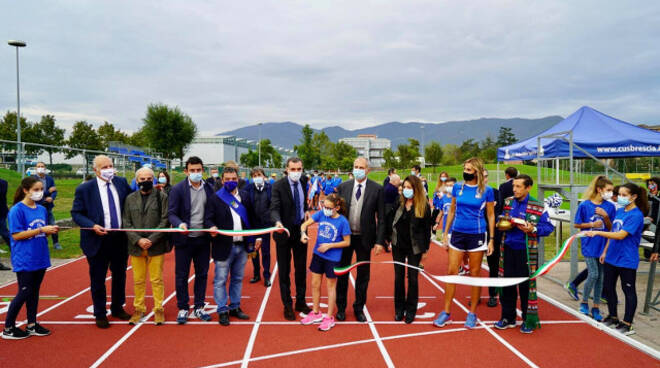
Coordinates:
(628, 277)
(286, 248)
(29, 283)
(494, 261)
(112, 254)
(403, 302)
(265, 258)
(362, 280)
(515, 265)
(197, 250)
(581, 277)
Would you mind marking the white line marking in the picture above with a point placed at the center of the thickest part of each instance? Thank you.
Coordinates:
(255, 329)
(379, 342)
(419, 297)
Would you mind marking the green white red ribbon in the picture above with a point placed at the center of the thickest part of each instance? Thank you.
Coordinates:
(477, 281)
(251, 232)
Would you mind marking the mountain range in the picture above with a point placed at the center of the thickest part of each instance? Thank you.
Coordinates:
(288, 134)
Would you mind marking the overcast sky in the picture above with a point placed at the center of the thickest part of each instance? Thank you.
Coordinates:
(351, 63)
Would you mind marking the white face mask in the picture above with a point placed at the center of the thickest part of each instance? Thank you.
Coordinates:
(36, 196)
(108, 174)
(258, 180)
(41, 170)
(607, 195)
(327, 212)
(295, 175)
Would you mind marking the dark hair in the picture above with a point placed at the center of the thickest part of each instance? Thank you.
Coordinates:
(337, 200)
(390, 171)
(654, 179)
(511, 171)
(194, 160)
(418, 168)
(228, 170)
(295, 160)
(527, 180)
(615, 191)
(26, 184)
(257, 170)
(451, 178)
(164, 172)
(642, 201)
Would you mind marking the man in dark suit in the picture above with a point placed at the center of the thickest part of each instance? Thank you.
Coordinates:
(287, 209)
(99, 204)
(4, 232)
(260, 193)
(186, 210)
(505, 191)
(366, 215)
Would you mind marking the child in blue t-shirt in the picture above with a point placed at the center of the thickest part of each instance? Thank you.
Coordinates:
(445, 203)
(29, 256)
(334, 233)
(621, 254)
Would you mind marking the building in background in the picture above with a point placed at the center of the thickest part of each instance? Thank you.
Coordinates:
(370, 146)
(216, 149)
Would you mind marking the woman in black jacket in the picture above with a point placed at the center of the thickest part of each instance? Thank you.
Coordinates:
(411, 235)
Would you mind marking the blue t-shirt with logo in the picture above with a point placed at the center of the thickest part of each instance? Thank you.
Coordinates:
(445, 206)
(28, 254)
(625, 252)
(331, 230)
(586, 212)
(471, 208)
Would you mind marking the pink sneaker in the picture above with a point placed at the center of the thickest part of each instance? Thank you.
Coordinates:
(312, 317)
(327, 323)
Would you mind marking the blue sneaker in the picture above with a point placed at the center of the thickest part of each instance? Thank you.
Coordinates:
(182, 317)
(572, 291)
(584, 308)
(471, 321)
(503, 324)
(526, 330)
(442, 319)
(57, 246)
(201, 315)
(595, 314)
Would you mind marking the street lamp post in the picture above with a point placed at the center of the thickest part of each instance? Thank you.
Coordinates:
(259, 143)
(19, 146)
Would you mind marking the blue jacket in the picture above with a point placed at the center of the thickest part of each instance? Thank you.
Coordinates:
(3, 199)
(178, 209)
(515, 238)
(50, 182)
(87, 211)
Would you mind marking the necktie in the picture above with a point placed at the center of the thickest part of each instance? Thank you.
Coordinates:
(114, 221)
(296, 199)
(358, 194)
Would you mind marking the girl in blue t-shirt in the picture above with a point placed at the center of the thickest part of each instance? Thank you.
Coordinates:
(472, 203)
(29, 256)
(621, 254)
(445, 203)
(595, 213)
(333, 233)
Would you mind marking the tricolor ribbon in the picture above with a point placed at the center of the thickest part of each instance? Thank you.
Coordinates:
(251, 232)
(477, 281)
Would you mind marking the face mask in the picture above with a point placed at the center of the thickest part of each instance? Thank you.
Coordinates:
(408, 193)
(146, 186)
(449, 188)
(327, 212)
(108, 174)
(468, 176)
(443, 179)
(41, 170)
(230, 185)
(195, 177)
(36, 196)
(162, 180)
(258, 180)
(295, 176)
(607, 195)
(651, 186)
(215, 175)
(413, 173)
(359, 174)
(623, 201)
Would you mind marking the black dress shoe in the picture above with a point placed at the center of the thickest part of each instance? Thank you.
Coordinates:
(410, 317)
(103, 323)
(266, 282)
(492, 302)
(303, 307)
(340, 316)
(360, 317)
(122, 315)
(288, 313)
(238, 313)
(398, 315)
(223, 318)
(255, 279)
(4, 268)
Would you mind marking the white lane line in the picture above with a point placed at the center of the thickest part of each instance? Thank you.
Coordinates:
(255, 329)
(379, 341)
(498, 337)
(47, 270)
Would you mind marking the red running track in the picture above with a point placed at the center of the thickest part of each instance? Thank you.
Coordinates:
(267, 340)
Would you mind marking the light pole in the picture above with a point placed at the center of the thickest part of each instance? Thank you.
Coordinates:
(259, 144)
(19, 153)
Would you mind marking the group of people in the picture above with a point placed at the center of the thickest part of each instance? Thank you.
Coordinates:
(355, 218)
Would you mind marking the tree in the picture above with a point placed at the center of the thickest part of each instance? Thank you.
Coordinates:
(309, 154)
(269, 156)
(138, 138)
(468, 149)
(408, 153)
(49, 133)
(250, 159)
(390, 159)
(168, 130)
(83, 136)
(433, 154)
(451, 154)
(505, 137)
(108, 133)
(8, 132)
(488, 149)
(343, 155)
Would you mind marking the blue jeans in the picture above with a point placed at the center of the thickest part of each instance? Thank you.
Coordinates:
(235, 263)
(594, 280)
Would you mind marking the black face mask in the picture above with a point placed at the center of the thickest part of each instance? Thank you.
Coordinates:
(468, 176)
(146, 186)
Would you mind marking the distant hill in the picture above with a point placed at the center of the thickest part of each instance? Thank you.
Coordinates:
(287, 134)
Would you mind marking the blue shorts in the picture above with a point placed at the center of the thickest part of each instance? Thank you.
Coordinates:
(463, 242)
(320, 265)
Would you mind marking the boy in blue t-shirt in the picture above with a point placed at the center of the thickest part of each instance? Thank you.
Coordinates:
(334, 233)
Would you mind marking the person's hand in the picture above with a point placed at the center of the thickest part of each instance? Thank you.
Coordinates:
(597, 224)
(491, 247)
(445, 240)
(435, 227)
(99, 230)
(654, 257)
(257, 244)
(184, 227)
(527, 228)
(50, 229)
(279, 225)
(214, 231)
(303, 237)
(590, 234)
(323, 247)
(379, 249)
(48, 200)
(144, 243)
(601, 212)
(601, 259)
(425, 255)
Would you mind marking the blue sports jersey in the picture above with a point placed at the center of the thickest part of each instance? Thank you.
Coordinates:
(470, 208)
(446, 206)
(28, 254)
(331, 230)
(437, 200)
(625, 252)
(586, 212)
